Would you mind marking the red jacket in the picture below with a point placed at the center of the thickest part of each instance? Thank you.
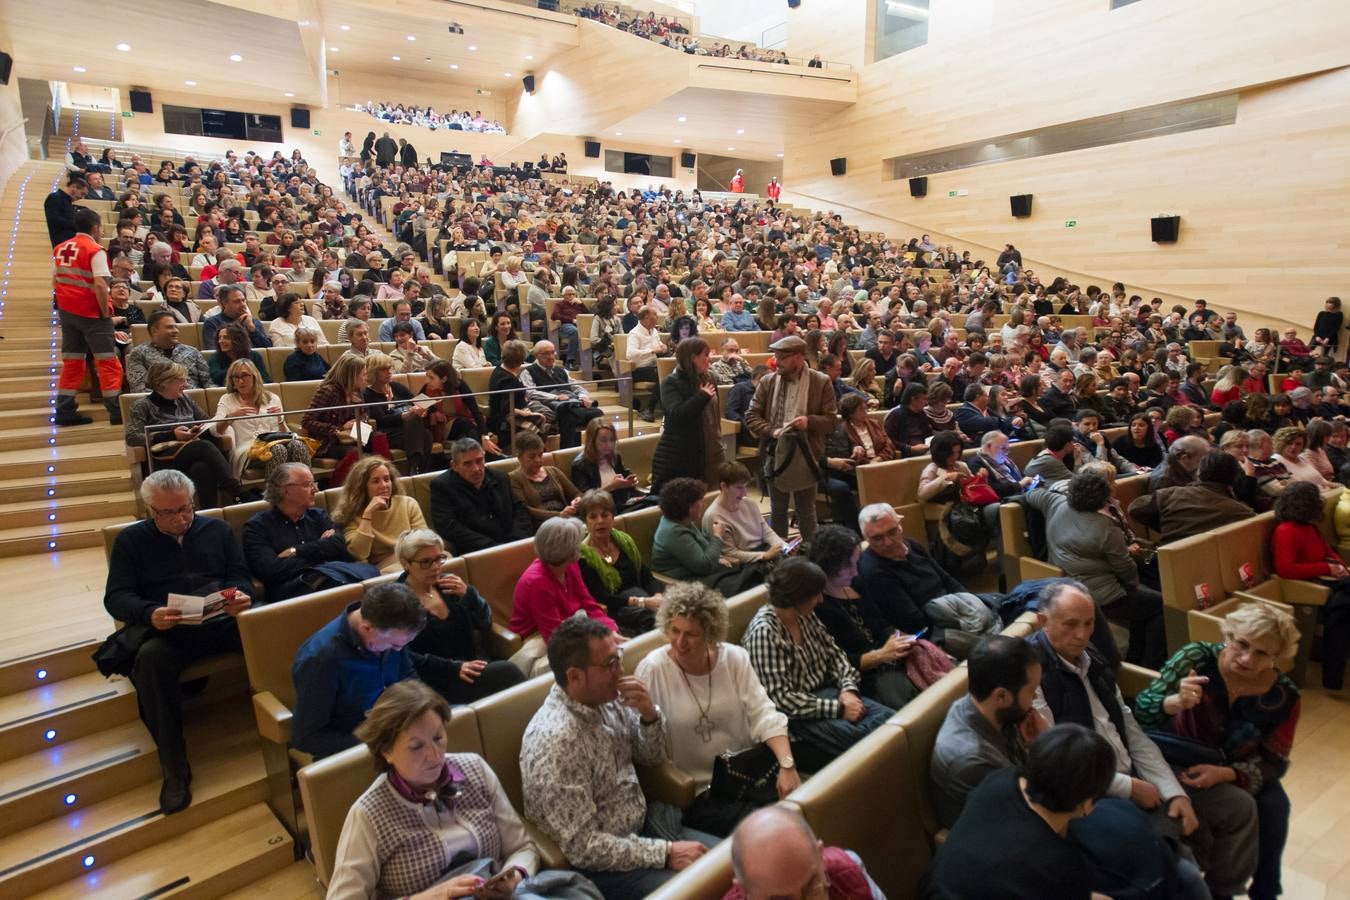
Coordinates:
(1300, 552)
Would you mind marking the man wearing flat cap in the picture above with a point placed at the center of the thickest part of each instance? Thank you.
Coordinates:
(792, 412)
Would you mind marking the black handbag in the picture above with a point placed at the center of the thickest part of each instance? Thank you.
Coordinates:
(1183, 752)
(743, 776)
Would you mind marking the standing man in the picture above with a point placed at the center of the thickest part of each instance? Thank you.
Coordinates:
(81, 286)
(60, 208)
(774, 190)
(792, 413)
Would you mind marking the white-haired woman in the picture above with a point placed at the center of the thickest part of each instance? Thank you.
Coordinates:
(1232, 700)
(714, 704)
(451, 652)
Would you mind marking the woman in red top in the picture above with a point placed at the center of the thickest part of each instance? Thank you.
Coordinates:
(1300, 552)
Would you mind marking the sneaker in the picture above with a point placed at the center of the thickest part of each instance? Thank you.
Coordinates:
(73, 419)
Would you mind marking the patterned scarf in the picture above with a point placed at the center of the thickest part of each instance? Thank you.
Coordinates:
(447, 785)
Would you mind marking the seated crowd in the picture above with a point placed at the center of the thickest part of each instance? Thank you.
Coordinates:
(860, 618)
(427, 117)
(671, 32)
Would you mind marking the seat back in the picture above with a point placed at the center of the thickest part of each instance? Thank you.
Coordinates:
(741, 609)
(638, 648)
(1190, 571)
(637, 454)
(895, 482)
(864, 801)
(709, 878)
(921, 719)
(1126, 491)
(239, 513)
(495, 572)
(272, 634)
(502, 719)
(641, 527)
(1244, 552)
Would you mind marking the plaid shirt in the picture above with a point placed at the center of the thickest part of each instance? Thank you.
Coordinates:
(792, 672)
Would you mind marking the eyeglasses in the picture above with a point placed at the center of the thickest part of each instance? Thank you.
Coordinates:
(307, 485)
(892, 534)
(614, 663)
(431, 563)
(178, 513)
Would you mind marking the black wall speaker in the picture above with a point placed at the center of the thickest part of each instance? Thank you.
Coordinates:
(1021, 205)
(793, 4)
(592, 149)
(6, 64)
(140, 102)
(918, 187)
(528, 83)
(839, 165)
(299, 117)
(1166, 229)
(687, 159)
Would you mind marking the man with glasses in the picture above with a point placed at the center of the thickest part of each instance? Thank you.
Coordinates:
(294, 547)
(576, 766)
(903, 579)
(174, 551)
(775, 854)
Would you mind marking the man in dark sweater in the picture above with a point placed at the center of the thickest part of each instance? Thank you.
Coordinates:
(900, 577)
(60, 208)
(343, 668)
(473, 508)
(175, 551)
(552, 389)
(286, 543)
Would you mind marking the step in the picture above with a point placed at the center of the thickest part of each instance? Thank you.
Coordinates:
(40, 539)
(72, 511)
(82, 484)
(221, 856)
(67, 710)
(19, 379)
(102, 456)
(112, 823)
(48, 667)
(48, 436)
(298, 881)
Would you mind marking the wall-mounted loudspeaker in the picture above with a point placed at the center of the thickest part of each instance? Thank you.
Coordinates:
(528, 83)
(299, 117)
(140, 102)
(918, 187)
(1166, 229)
(793, 4)
(838, 166)
(592, 149)
(1021, 205)
(687, 159)
(6, 64)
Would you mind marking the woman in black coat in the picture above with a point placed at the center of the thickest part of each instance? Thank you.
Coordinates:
(368, 149)
(598, 452)
(691, 436)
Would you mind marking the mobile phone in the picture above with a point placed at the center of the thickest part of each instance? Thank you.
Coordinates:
(918, 634)
(792, 545)
(489, 885)
(1035, 482)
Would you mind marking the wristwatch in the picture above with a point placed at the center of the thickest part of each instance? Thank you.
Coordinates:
(655, 719)
(787, 762)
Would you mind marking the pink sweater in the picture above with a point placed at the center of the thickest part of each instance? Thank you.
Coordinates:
(541, 603)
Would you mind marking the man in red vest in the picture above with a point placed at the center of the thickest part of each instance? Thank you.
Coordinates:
(774, 190)
(737, 184)
(81, 285)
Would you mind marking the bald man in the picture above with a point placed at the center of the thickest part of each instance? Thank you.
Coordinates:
(775, 854)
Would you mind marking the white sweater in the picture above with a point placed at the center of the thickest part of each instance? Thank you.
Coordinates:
(741, 711)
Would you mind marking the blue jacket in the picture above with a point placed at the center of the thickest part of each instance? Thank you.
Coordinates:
(336, 681)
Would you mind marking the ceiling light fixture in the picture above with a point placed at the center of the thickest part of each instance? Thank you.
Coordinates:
(290, 93)
(235, 57)
(81, 69)
(677, 140)
(528, 56)
(618, 134)
(190, 83)
(345, 27)
(682, 119)
(506, 74)
(740, 131)
(780, 156)
(473, 47)
(412, 37)
(395, 58)
(334, 49)
(454, 65)
(125, 48)
(731, 149)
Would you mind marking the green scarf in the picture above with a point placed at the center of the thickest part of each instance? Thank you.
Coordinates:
(609, 576)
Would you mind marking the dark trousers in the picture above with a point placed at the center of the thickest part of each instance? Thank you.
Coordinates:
(843, 502)
(155, 673)
(647, 375)
(209, 470)
(1335, 640)
(497, 676)
(1141, 610)
(1272, 811)
(817, 742)
(572, 419)
(663, 822)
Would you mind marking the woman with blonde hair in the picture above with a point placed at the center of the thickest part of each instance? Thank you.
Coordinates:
(437, 323)
(451, 806)
(393, 413)
(865, 379)
(1231, 700)
(266, 438)
(341, 387)
(374, 512)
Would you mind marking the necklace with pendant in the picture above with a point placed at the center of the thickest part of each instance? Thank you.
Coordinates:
(705, 726)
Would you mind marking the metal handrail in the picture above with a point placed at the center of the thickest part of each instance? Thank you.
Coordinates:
(360, 408)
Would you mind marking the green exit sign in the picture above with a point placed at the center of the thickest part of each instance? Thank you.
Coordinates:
(1071, 223)
(128, 114)
(318, 133)
(952, 194)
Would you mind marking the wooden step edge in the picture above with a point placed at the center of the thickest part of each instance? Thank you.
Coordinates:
(22, 673)
(72, 723)
(298, 881)
(234, 847)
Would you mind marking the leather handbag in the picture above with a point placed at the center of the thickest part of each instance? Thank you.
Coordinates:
(748, 775)
(977, 492)
(1183, 752)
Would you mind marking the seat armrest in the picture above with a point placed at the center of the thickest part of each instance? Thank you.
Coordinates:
(503, 642)
(550, 855)
(667, 783)
(1133, 680)
(274, 719)
(1305, 593)
(665, 579)
(731, 426)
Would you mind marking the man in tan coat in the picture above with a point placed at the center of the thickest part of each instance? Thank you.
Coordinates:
(792, 413)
